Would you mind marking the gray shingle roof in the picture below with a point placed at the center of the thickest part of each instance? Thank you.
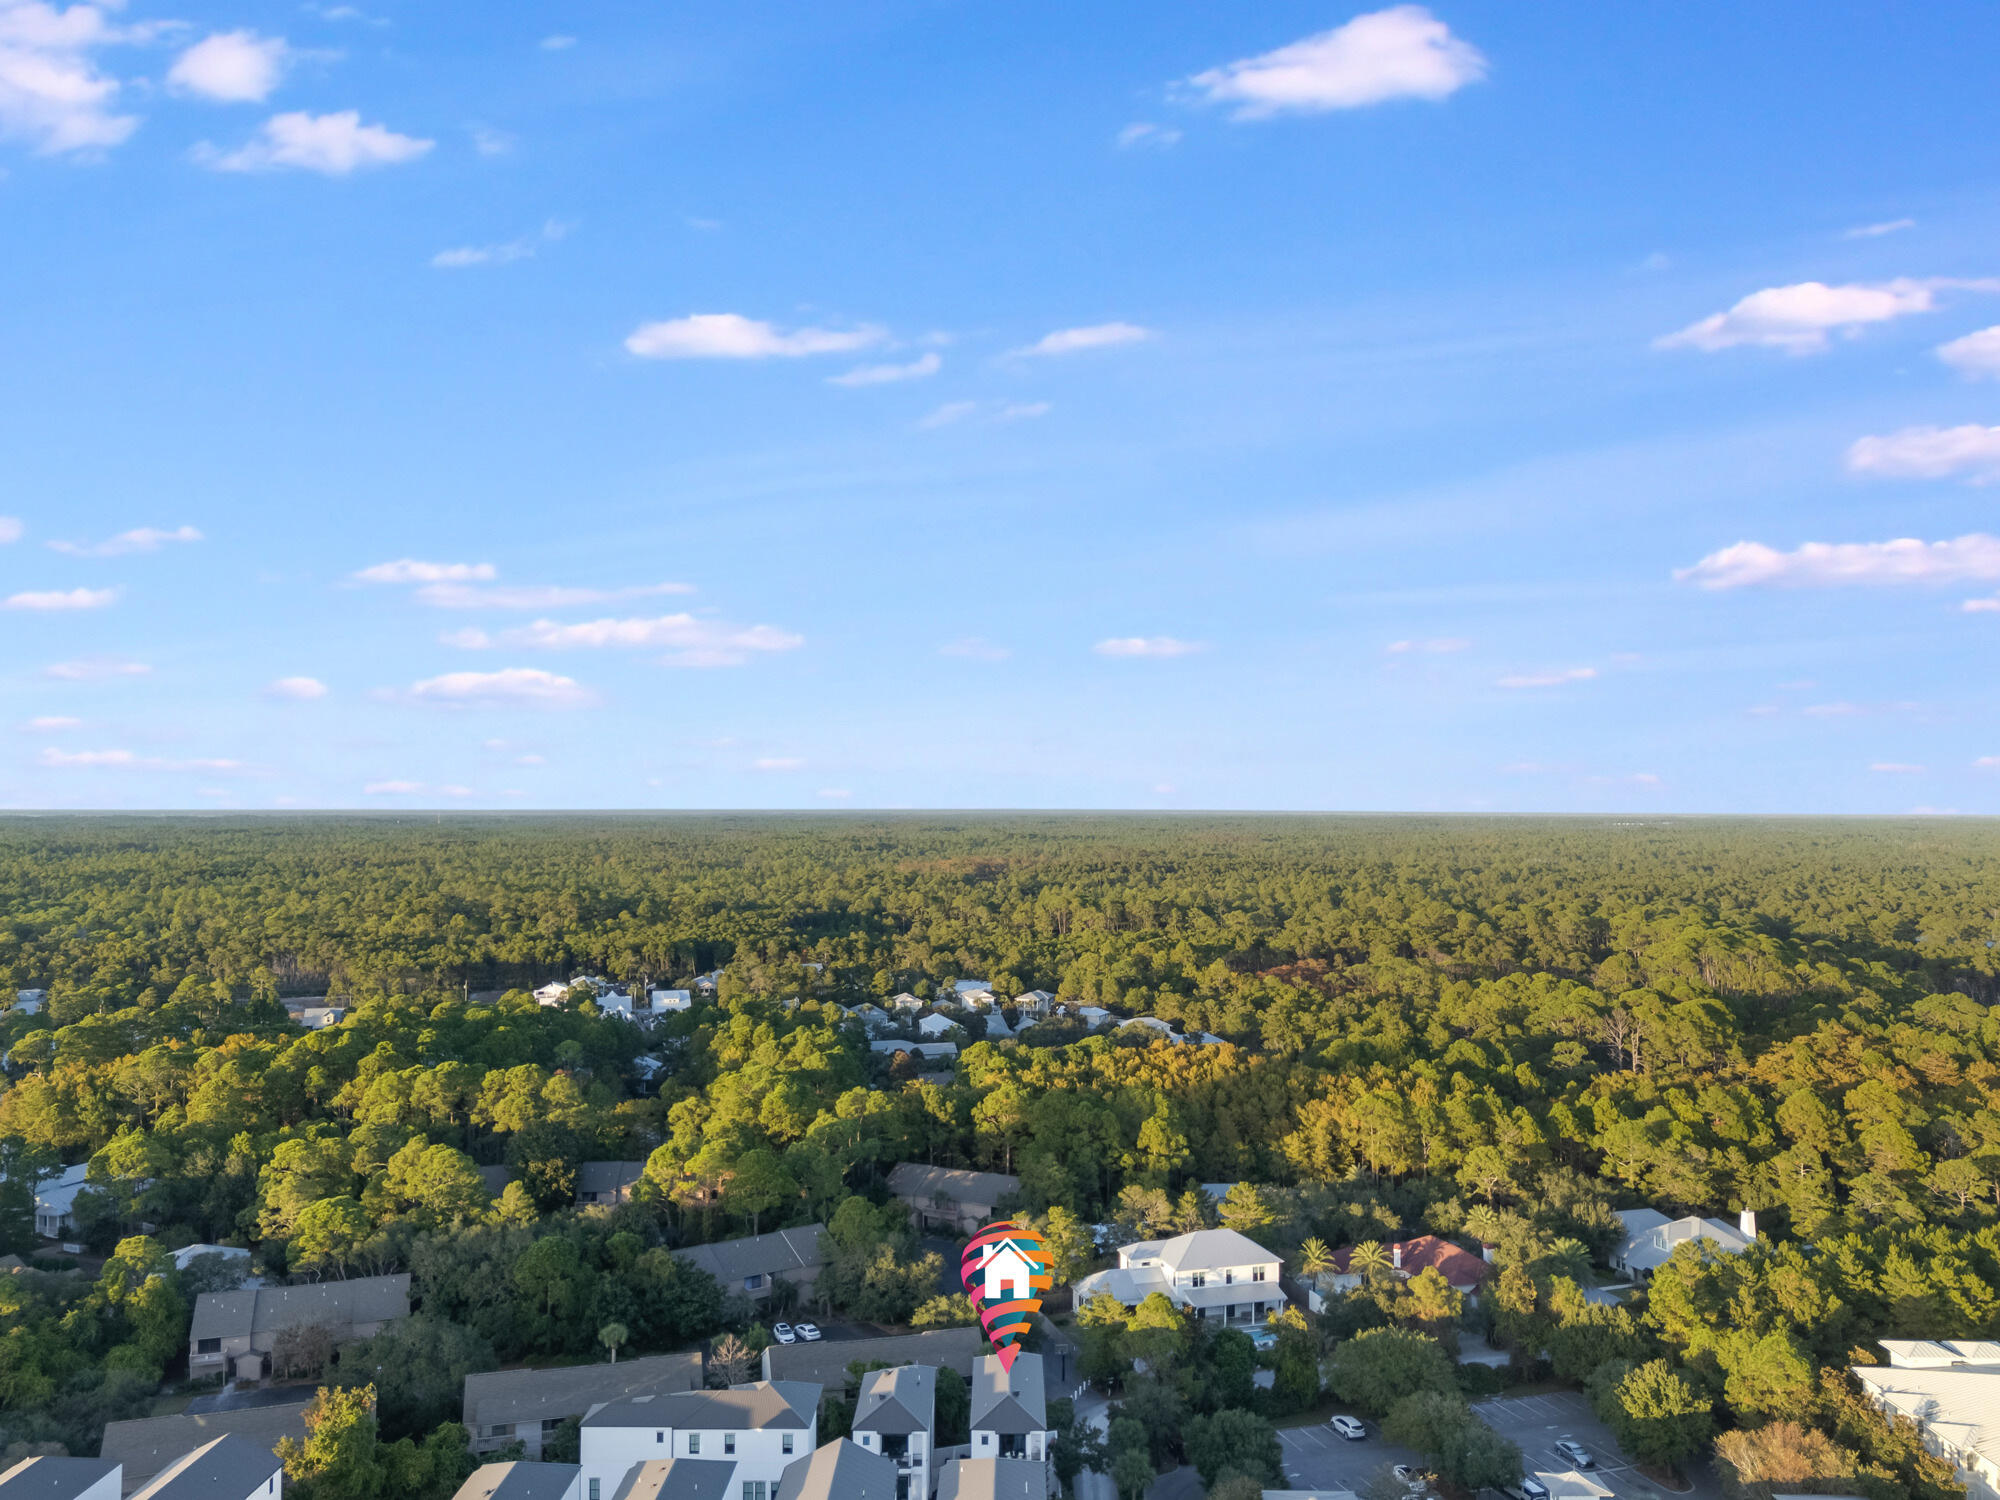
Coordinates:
(1009, 1401)
(147, 1445)
(899, 1401)
(827, 1362)
(603, 1177)
(266, 1309)
(229, 1468)
(764, 1405)
(993, 1479)
(909, 1179)
(677, 1479)
(839, 1470)
(782, 1251)
(518, 1481)
(509, 1396)
(52, 1478)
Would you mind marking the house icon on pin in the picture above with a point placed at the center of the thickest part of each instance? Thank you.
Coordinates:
(1004, 1272)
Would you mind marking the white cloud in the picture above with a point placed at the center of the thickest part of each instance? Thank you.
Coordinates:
(557, 43)
(297, 689)
(537, 595)
(11, 529)
(511, 687)
(391, 788)
(916, 369)
(1876, 231)
(490, 142)
(689, 641)
(778, 763)
(1896, 768)
(731, 336)
(523, 248)
(1976, 354)
(1930, 453)
(128, 761)
(1836, 564)
(531, 760)
(1403, 52)
(451, 790)
(1096, 336)
(333, 144)
(1155, 646)
(46, 600)
(835, 793)
(140, 539)
(1440, 646)
(1146, 133)
(409, 570)
(975, 648)
(1022, 411)
(1988, 763)
(51, 724)
(1841, 710)
(94, 669)
(231, 67)
(947, 414)
(53, 95)
(1798, 318)
(1556, 678)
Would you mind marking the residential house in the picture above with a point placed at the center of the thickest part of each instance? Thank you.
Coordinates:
(1651, 1238)
(226, 1468)
(948, 1199)
(233, 1333)
(706, 983)
(552, 993)
(676, 1479)
(1010, 1413)
(906, 1002)
(995, 1479)
(601, 1184)
(189, 1254)
(1155, 1024)
(751, 1266)
(522, 1481)
(842, 1470)
(873, 1017)
(1940, 1354)
(963, 987)
(1217, 1273)
(1956, 1405)
(145, 1446)
(615, 1003)
(929, 1051)
(895, 1417)
(55, 1201)
(1034, 1003)
(935, 1025)
(825, 1363)
(1463, 1270)
(1093, 1016)
(669, 1002)
(760, 1428)
(976, 999)
(521, 1406)
(61, 1479)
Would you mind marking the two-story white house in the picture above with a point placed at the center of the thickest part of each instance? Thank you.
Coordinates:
(760, 1428)
(1951, 1389)
(1217, 1274)
(895, 1415)
(1010, 1412)
(670, 1002)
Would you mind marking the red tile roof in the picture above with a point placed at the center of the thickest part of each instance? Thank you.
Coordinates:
(1459, 1267)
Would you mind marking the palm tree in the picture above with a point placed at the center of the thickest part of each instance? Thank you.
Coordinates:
(1371, 1259)
(1571, 1258)
(1315, 1260)
(1483, 1224)
(611, 1335)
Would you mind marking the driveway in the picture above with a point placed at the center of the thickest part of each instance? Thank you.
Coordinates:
(1318, 1458)
(1535, 1423)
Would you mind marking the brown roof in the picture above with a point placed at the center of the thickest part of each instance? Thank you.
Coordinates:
(1458, 1267)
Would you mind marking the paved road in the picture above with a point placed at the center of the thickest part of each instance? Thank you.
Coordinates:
(1318, 1458)
(1535, 1423)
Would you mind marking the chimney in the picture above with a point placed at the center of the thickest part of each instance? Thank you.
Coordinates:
(1396, 1254)
(1486, 1252)
(1747, 1222)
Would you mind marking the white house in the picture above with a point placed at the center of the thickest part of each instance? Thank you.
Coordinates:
(616, 1003)
(225, 1468)
(1093, 1016)
(1010, 1413)
(935, 1025)
(1650, 1238)
(29, 1002)
(895, 1416)
(1217, 1273)
(706, 983)
(552, 993)
(62, 1479)
(1951, 1390)
(665, 1002)
(963, 987)
(976, 999)
(759, 1428)
(1940, 1354)
(1034, 1003)
(906, 1001)
(56, 1198)
(189, 1254)
(319, 1017)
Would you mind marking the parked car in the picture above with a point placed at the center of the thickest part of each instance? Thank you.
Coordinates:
(1351, 1428)
(1415, 1480)
(1576, 1453)
(783, 1333)
(808, 1332)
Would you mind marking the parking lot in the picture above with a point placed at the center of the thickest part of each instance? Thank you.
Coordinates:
(1318, 1458)
(1536, 1423)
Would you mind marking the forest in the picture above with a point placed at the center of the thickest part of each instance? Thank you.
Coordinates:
(1497, 1030)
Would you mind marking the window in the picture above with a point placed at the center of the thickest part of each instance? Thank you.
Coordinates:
(1229, 1278)
(985, 1438)
(1257, 1274)
(499, 1429)
(788, 1443)
(756, 1283)
(729, 1442)
(754, 1489)
(596, 1489)
(550, 1424)
(1200, 1278)
(208, 1346)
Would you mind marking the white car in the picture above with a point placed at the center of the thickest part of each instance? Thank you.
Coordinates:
(1351, 1428)
(1576, 1453)
(807, 1332)
(783, 1333)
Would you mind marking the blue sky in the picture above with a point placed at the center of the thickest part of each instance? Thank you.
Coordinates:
(1487, 407)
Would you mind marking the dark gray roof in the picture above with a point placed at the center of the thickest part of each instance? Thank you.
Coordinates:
(764, 1405)
(839, 1470)
(908, 1179)
(496, 1178)
(52, 1478)
(1009, 1401)
(519, 1481)
(147, 1445)
(607, 1176)
(826, 1362)
(677, 1479)
(897, 1402)
(229, 1468)
(772, 1254)
(993, 1479)
(266, 1309)
(510, 1396)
